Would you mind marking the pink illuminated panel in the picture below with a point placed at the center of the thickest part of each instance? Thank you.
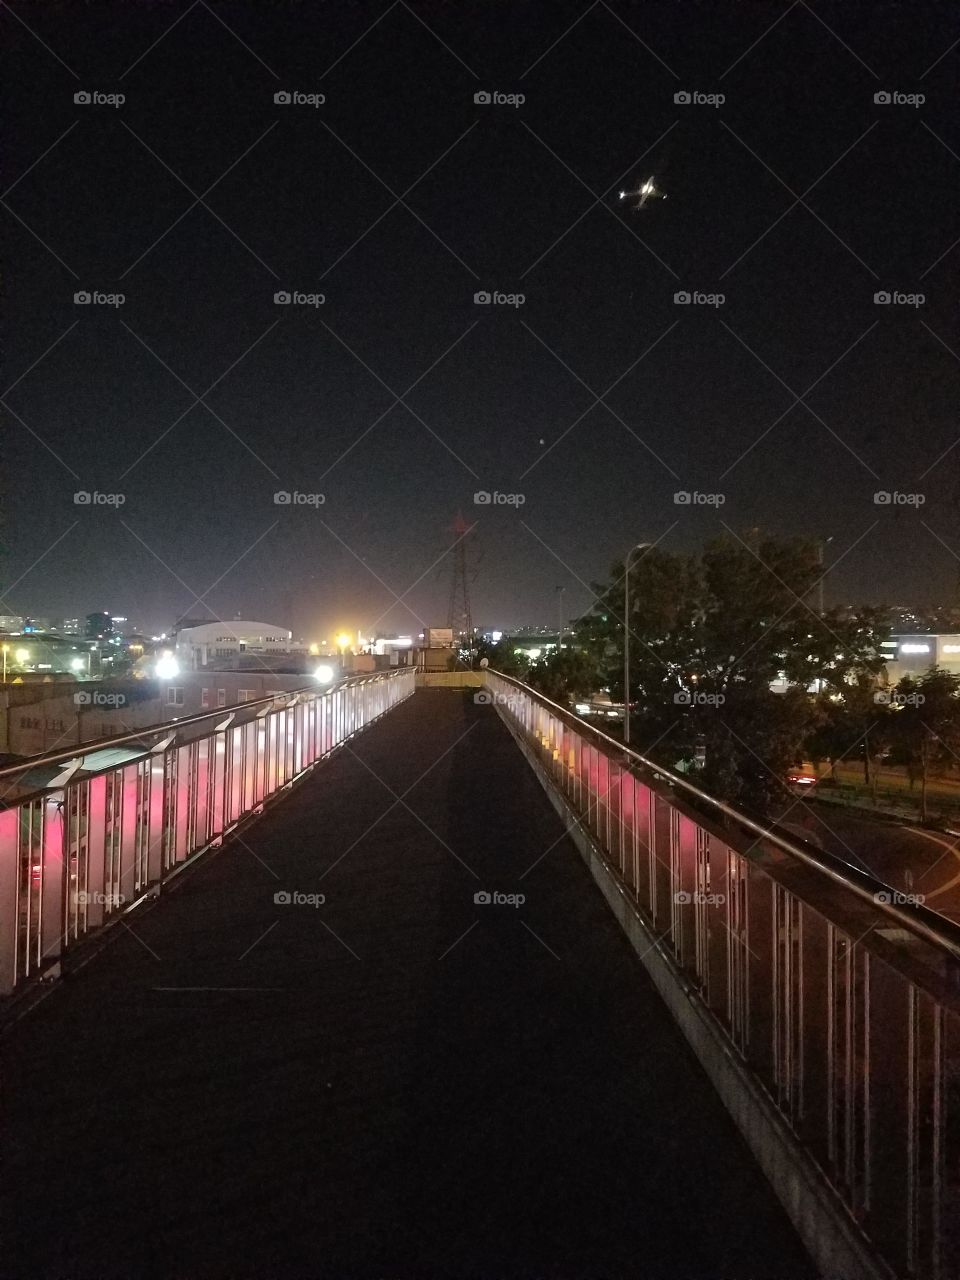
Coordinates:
(71, 858)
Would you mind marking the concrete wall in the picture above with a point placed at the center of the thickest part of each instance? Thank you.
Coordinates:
(47, 717)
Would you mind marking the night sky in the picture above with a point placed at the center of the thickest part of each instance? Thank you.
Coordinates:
(398, 199)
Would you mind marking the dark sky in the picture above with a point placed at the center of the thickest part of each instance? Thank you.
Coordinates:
(398, 199)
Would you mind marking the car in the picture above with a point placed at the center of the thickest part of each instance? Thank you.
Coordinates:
(801, 779)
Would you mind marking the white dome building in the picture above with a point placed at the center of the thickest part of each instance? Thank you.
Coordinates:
(208, 643)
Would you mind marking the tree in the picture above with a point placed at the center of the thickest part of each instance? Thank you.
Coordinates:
(570, 672)
(710, 635)
(925, 714)
(503, 658)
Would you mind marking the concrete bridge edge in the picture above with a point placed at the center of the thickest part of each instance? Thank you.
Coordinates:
(831, 1238)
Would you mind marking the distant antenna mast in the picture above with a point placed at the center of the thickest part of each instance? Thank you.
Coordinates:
(459, 619)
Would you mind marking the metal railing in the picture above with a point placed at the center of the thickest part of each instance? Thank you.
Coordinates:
(98, 836)
(841, 999)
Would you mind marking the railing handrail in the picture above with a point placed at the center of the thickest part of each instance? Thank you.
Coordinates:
(914, 917)
(162, 727)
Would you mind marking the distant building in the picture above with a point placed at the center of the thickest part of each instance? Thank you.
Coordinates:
(916, 654)
(99, 626)
(208, 643)
(11, 622)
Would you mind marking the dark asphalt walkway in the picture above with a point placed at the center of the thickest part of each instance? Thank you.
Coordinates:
(397, 1084)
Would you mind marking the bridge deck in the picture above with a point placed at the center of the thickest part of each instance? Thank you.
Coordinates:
(399, 1083)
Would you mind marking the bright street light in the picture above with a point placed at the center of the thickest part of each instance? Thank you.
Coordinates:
(324, 673)
(167, 667)
(22, 655)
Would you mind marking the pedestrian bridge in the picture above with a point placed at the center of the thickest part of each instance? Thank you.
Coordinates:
(390, 981)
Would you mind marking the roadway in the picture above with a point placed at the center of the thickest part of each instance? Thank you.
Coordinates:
(910, 859)
(400, 1082)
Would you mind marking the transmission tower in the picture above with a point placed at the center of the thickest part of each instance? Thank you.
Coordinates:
(459, 619)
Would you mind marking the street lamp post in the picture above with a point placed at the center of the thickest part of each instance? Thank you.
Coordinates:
(640, 546)
(821, 546)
